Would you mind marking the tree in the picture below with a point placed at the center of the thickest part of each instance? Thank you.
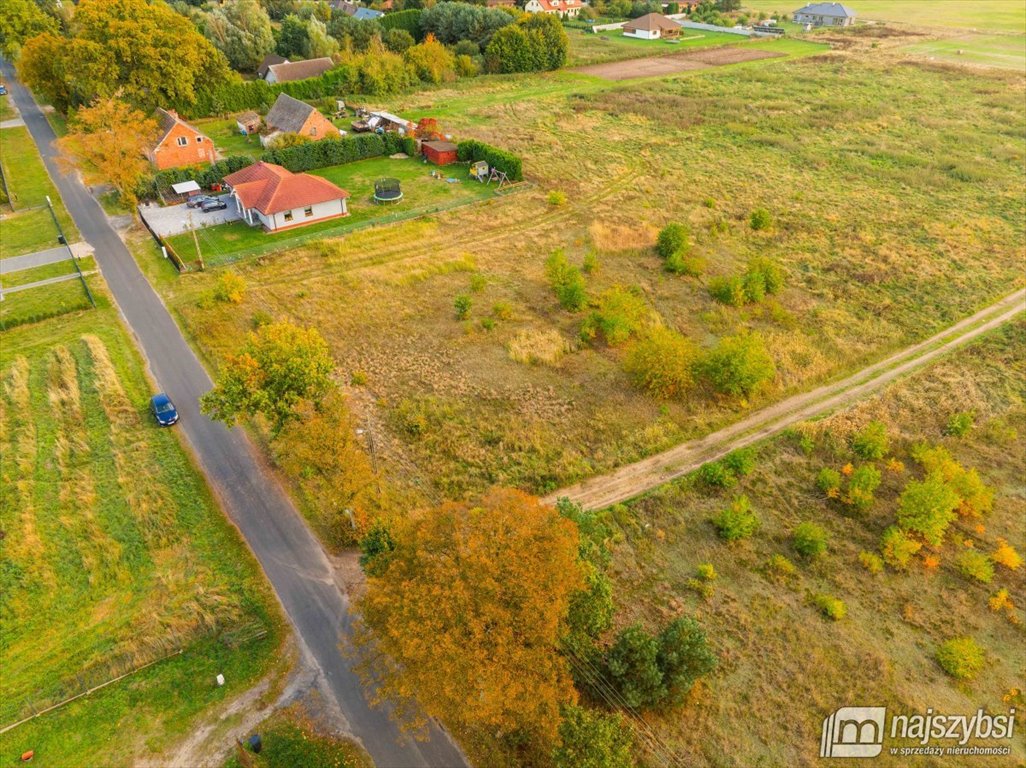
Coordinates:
(19, 21)
(566, 281)
(319, 43)
(593, 740)
(684, 656)
(536, 42)
(673, 239)
(432, 61)
(738, 365)
(108, 141)
(398, 40)
(293, 37)
(810, 540)
(619, 314)
(633, 666)
(927, 508)
(551, 44)
(871, 442)
(470, 607)
(280, 365)
(453, 22)
(286, 140)
(242, 31)
(661, 363)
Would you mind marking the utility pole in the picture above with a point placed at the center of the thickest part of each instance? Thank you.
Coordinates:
(64, 241)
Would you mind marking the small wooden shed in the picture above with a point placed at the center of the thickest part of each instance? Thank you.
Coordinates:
(439, 152)
(248, 123)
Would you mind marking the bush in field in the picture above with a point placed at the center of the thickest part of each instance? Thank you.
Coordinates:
(661, 362)
(766, 274)
(591, 739)
(898, 548)
(871, 442)
(1006, 555)
(871, 562)
(462, 305)
(927, 507)
(717, 474)
(741, 462)
(829, 482)
(230, 288)
(961, 657)
(862, 483)
(557, 198)
(431, 61)
(780, 568)
(975, 498)
(737, 521)
(674, 243)
(738, 365)
(683, 657)
(729, 290)
(831, 607)
(960, 424)
(566, 281)
(810, 540)
(632, 663)
(760, 219)
(689, 265)
(976, 565)
(619, 314)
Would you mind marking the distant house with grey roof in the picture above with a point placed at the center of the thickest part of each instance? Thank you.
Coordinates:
(297, 70)
(825, 15)
(289, 115)
(358, 12)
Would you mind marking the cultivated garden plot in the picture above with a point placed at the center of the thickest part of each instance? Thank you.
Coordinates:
(115, 555)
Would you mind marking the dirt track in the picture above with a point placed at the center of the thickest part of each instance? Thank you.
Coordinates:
(635, 479)
(653, 66)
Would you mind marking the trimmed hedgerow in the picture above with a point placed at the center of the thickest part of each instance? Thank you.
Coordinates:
(408, 19)
(472, 150)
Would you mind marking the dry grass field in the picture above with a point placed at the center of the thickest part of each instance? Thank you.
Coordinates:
(896, 210)
(783, 666)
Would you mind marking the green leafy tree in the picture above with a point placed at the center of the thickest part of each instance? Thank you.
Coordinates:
(242, 31)
(619, 314)
(871, 442)
(19, 21)
(633, 667)
(593, 740)
(810, 540)
(293, 37)
(318, 42)
(928, 508)
(738, 365)
(280, 366)
(737, 521)
(684, 656)
(398, 40)
(432, 61)
(566, 281)
(661, 362)
(375, 548)
(861, 486)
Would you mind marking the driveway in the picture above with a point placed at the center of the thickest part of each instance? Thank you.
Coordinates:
(175, 219)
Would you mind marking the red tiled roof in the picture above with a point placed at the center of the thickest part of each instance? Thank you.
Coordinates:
(272, 189)
(559, 5)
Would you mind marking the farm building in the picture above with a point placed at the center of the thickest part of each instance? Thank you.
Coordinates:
(248, 123)
(825, 15)
(652, 26)
(564, 8)
(439, 152)
(389, 122)
(289, 115)
(273, 197)
(269, 59)
(178, 144)
(288, 71)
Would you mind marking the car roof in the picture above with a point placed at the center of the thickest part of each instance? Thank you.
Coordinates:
(160, 399)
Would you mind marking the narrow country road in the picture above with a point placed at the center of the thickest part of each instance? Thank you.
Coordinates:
(291, 557)
(635, 479)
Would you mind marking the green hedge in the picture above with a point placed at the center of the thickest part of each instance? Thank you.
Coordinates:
(472, 150)
(328, 152)
(205, 175)
(408, 20)
(260, 95)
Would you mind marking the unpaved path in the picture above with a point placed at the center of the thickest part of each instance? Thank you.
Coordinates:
(653, 66)
(635, 479)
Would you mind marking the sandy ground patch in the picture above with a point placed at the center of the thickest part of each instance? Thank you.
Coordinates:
(654, 66)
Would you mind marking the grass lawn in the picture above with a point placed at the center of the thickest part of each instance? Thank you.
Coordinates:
(611, 45)
(115, 554)
(421, 195)
(1005, 51)
(992, 15)
(776, 651)
(291, 739)
(29, 185)
(226, 137)
(46, 301)
(7, 110)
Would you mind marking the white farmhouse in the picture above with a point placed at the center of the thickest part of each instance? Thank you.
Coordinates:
(275, 198)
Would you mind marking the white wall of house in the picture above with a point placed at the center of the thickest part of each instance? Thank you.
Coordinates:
(315, 212)
(642, 34)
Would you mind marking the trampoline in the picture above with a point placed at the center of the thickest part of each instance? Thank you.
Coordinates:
(387, 191)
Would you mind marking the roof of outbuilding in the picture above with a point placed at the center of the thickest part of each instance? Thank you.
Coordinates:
(441, 146)
(827, 9)
(300, 70)
(271, 189)
(651, 22)
(288, 114)
(367, 14)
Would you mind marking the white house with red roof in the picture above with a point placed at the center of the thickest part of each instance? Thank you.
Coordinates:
(568, 8)
(277, 199)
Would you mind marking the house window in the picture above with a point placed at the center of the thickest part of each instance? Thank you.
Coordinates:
(288, 216)
(182, 141)
(199, 139)
(308, 211)
(313, 130)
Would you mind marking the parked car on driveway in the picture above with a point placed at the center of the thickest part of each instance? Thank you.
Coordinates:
(213, 204)
(3, 89)
(164, 410)
(197, 200)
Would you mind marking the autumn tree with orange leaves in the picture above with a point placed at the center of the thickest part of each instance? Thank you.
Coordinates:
(467, 607)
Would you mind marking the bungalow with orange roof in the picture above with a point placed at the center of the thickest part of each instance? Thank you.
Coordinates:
(178, 144)
(652, 26)
(564, 8)
(273, 197)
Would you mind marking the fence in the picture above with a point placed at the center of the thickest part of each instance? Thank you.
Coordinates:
(161, 243)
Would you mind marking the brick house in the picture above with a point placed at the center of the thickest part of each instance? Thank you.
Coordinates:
(179, 144)
(289, 115)
(273, 197)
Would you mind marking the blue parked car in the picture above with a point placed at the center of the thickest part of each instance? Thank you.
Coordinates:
(164, 410)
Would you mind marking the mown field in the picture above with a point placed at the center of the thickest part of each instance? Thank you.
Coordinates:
(896, 211)
(997, 15)
(114, 555)
(783, 665)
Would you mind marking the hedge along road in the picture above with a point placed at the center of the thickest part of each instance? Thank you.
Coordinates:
(291, 557)
(635, 479)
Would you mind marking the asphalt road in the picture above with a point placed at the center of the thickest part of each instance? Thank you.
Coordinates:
(291, 557)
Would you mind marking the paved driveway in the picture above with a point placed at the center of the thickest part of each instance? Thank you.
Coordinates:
(175, 219)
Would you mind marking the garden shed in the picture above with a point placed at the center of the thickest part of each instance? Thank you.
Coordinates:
(439, 152)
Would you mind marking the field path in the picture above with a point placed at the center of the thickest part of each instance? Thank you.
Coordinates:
(635, 479)
(288, 552)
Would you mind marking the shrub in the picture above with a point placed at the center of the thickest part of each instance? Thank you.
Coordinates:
(536, 42)
(706, 572)
(534, 346)
(780, 567)
(557, 198)
(871, 562)
(1006, 555)
(741, 462)
(760, 219)
(831, 607)
(717, 474)
(661, 363)
(690, 266)
(230, 288)
(502, 310)
(591, 738)
(467, 66)
(737, 521)
(375, 548)
(683, 657)
(472, 150)
(768, 275)
(729, 290)
(590, 263)
(927, 507)
(674, 239)
(976, 565)
(738, 365)
(961, 657)
(462, 305)
(898, 548)
(467, 48)
(619, 314)
(431, 61)
(408, 20)
(829, 482)
(358, 378)
(871, 442)
(633, 665)
(862, 483)
(566, 281)
(960, 424)
(810, 540)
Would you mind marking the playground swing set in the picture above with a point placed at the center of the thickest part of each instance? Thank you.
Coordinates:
(480, 171)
